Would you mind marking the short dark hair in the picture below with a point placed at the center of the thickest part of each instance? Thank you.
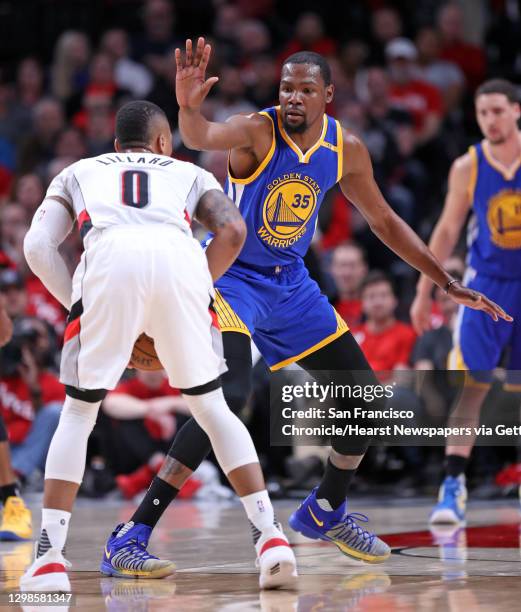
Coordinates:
(315, 59)
(498, 86)
(375, 277)
(133, 122)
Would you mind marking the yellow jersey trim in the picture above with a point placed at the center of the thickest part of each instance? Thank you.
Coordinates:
(264, 162)
(302, 157)
(507, 173)
(342, 328)
(226, 317)
(455, 361)
(340, 150)
(471, 187)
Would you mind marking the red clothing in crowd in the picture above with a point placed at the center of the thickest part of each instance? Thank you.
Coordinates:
(136, 388)
(339, 228)
(44, 306)
(418, 98)
(16, 404)
(350, 311)
(387, 349)
(469, 58)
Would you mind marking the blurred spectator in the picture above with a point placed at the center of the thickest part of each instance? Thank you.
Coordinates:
(30, 396)
(309, 36)
(408, 91)
(69, 73)
(352, 57)
(128, 74)
(37, 147)
(140, 429)
(154, 46)
(386, 342)
(28, 193)
(101, 93)
(386, 25)
(31, 298)
(446, 76)
(263, 82)
(15, 122)
(70, 144)
(215, 162)
(29, 82)
(13, 227)
(230, 98)
(253, 39)
(225, 31)
(454, 48)
(348, 269)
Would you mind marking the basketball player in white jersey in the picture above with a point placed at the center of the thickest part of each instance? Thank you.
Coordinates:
(141, 271)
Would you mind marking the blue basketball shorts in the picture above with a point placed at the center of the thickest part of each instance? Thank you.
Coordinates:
(480, 342)
(281, 308)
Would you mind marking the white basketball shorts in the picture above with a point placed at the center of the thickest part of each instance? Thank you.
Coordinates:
(134, 279)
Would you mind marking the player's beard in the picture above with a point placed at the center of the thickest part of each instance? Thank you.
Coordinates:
(295, 129)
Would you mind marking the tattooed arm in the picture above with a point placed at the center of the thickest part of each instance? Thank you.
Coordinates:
(220, 215)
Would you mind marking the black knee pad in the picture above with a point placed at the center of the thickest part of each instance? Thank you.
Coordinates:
(202, 389)
(191, 445)
(86, 395)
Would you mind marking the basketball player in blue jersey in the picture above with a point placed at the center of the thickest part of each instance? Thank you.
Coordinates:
(282, 162)
(486, 181)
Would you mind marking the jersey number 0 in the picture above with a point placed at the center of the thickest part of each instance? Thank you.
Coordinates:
(134, 188)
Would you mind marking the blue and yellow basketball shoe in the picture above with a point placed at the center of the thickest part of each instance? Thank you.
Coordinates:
(126, 555)
(452, 501)
(339, 527)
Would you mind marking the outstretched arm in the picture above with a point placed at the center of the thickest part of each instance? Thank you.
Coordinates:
(359, 187)
(220, 215)
(192, 87)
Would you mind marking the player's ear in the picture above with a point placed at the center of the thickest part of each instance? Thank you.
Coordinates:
(330, 90)
(117, 148)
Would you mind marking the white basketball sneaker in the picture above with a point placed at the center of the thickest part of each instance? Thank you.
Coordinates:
(275, 560)
(47, 573)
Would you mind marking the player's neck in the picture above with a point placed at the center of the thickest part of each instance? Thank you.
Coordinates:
(507, 152)
(137, 150)
(308, 138)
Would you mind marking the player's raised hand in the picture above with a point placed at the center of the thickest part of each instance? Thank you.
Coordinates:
(191, 84)
(477, 301)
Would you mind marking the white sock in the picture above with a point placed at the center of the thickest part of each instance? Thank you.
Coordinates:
(259, 510)
(55, 525)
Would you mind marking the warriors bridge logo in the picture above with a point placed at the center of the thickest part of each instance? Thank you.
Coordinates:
(504, 219)
(290, 204)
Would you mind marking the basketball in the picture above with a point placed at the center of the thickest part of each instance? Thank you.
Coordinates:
(144, 356)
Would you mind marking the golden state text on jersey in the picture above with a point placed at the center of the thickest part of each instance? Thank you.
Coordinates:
(281, 199)
(495, 230)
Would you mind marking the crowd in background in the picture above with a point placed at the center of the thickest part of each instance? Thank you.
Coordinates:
(404, 75)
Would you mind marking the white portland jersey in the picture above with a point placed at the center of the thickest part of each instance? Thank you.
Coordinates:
(132, 189)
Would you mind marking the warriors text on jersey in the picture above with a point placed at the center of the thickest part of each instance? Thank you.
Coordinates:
(281, 199)
(495, 231)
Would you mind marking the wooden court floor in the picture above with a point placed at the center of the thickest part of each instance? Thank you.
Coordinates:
(477, 568)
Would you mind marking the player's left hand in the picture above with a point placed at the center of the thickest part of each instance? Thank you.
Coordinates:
(477, 301)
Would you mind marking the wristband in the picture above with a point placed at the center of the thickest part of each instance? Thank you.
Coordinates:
(449, 285)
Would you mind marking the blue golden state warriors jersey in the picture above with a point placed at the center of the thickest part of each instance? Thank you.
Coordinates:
(281, 199)
(495, 230)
